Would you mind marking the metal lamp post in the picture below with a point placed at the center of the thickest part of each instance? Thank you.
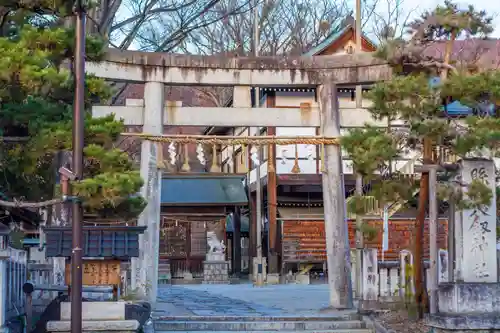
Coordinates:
(78, 132)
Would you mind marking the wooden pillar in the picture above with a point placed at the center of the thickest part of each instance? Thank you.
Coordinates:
(272, 202)
(236, 265)
(333, 200)
(252, 249)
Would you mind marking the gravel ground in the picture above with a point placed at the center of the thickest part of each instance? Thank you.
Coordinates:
(399, 321)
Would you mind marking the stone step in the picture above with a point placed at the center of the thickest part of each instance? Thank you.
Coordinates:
(285, 325)
(362, 330)
(328, 317)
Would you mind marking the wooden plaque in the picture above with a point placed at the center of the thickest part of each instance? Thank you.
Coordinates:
(97, 272)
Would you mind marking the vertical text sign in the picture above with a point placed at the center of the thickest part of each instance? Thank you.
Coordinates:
(479, 227)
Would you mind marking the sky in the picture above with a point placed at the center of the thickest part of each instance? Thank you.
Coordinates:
(492, 7)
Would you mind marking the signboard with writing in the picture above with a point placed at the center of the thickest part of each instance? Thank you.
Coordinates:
(479, 227)
(97, 272)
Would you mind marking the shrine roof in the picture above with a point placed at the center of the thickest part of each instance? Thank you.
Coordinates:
(203, 190)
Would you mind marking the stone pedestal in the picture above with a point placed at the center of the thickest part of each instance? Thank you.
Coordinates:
(273, 279)
(255, 263)
(471, 303)
(467, 307)
(164, 273)
(216, 272)
(215, 269)
(102, 317)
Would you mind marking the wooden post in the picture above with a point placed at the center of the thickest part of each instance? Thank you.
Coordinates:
(433, 246)
(359, 241)
(252, 251)
(271, 205)
(333, 199)
(451, 240)
(236, 241)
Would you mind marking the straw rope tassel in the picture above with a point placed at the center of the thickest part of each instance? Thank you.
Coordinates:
(185, 166)
(296, 167)
(323, 169)
(244, 158)
(214, 167)
(160, 164)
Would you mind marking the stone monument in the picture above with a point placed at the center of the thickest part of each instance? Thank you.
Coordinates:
(215, 266)
(470, 302)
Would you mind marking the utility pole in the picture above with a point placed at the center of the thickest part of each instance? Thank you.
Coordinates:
(78, 135)
(258, 189)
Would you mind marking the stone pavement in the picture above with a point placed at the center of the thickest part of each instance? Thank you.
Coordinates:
(242, 300)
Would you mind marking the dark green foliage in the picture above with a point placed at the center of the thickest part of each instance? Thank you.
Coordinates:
(369, 148)
(411, 97)
(36, 96)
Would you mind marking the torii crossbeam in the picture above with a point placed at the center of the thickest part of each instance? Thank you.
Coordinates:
(173, 69)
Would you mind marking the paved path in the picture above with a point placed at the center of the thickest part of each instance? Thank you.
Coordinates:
(242, 300)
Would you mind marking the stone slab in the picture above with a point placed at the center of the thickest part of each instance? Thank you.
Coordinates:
(303, 279)
(95, 326)
(361, 330)
(210, 326)
(96, 311)
(468, 298)
(273, 279)
(217, 257)
(465, 323)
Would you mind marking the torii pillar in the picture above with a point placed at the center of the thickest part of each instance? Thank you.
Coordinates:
(145, 267)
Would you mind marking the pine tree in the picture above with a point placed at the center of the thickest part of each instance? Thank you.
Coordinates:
(424, 83)
(36, 96)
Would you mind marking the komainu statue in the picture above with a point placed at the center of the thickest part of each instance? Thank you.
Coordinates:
(215, 245)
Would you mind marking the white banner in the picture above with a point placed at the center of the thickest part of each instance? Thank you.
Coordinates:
(479, 227)
(385, 235)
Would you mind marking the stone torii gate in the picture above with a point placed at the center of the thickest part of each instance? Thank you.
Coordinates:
(156, 70)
